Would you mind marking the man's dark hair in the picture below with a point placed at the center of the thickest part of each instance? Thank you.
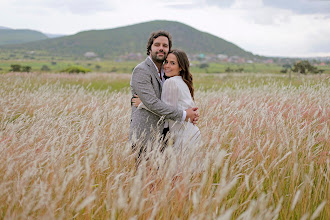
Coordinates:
(156, 34)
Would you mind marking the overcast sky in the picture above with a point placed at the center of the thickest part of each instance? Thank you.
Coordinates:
(264, 27)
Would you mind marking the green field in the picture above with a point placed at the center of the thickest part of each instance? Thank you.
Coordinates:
(127, 66)
(204, 82)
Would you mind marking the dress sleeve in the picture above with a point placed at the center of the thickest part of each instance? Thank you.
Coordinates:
(170, 93)
(141, 106)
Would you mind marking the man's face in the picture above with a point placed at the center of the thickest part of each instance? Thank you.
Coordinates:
(159, 49)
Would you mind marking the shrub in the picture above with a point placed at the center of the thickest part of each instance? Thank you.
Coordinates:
(204, 65)
(76, 69)
(240, 70)
(228, 70)
(26, 68)
(304, 67)
(45, 68)
(15, 68)
(114, 69)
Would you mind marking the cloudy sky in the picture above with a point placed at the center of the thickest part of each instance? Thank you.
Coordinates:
(294, 28)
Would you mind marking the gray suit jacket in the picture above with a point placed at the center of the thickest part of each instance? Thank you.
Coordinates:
(145, 82)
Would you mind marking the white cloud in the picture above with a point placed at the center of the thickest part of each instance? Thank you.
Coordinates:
(301, 6)
(256, 26)
(72, 6)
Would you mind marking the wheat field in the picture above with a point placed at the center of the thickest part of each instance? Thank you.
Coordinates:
(65, 154)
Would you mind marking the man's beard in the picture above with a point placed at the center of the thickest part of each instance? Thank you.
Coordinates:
(155, 57)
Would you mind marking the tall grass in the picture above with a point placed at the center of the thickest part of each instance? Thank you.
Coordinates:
(64, 153)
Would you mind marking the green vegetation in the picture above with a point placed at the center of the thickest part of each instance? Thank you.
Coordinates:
(45, 68)
(202, 82)
(9, 36)
(19, 68)
(128, 66)
(26, 69)
(59, 65)
(75, 69)
(305, 67)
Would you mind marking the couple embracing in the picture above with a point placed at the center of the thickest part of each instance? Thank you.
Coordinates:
(163, 97)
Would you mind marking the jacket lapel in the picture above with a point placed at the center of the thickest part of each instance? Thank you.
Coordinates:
(153, 69)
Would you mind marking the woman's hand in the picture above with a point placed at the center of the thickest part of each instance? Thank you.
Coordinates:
(136, 100)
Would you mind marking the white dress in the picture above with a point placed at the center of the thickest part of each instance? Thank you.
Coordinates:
(176, 93)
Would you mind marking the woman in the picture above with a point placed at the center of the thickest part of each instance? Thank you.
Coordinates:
(178, 91)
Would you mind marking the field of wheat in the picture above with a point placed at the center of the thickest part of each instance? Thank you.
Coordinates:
(64, 153)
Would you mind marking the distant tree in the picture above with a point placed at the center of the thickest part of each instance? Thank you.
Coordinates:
(45, 68)
(286, 67)
(26, 68)
(228, 70)
(304, 67)
(97, 66)
(15, 68)
(53, 63)
(204, 65)
(114, 69)
(76, 69)
(240, 70)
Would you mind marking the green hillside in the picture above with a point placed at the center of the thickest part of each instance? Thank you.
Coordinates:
(11, 36)
(111, 43)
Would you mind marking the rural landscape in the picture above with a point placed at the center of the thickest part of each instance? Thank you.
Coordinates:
(64, 126)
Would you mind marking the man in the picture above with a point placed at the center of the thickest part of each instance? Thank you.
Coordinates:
(146, 83)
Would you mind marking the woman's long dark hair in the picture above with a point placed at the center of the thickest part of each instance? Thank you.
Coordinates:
(184, 64)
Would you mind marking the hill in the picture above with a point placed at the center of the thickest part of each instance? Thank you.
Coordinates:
(11, 36)
(111, 43)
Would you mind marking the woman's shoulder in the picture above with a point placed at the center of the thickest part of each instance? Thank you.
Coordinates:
(171, 82)
(174, 79)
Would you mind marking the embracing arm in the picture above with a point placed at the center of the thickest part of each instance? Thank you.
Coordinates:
(141, 83)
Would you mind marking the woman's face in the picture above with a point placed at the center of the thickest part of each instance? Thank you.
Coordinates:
(171, 66)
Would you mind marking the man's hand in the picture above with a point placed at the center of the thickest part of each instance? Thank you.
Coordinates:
(192, 115)
(135, 100)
